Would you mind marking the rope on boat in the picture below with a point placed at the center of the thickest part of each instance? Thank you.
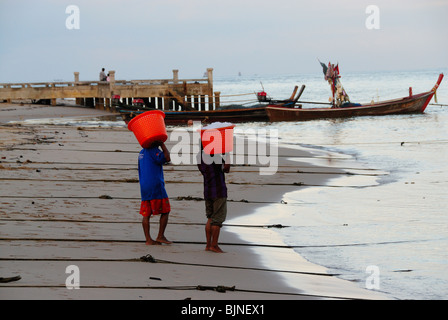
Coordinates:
(315, 102)
(239, 101)
(236, 95)
(438, 104)
(214, 95)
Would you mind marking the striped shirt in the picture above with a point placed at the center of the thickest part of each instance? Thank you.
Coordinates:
(214, 180)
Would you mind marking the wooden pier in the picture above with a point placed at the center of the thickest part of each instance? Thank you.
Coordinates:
(165, 94)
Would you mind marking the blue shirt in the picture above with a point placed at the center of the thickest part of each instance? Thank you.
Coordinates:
(150, 174)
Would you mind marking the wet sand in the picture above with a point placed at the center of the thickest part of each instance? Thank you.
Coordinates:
(70, 196)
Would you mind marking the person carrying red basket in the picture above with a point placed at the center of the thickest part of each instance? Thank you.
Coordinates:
(152, 189)
(215, 195)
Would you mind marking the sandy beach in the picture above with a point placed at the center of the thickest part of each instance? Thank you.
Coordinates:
(70, 197)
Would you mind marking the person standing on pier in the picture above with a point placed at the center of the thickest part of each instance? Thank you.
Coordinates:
(152, 188)
(103, 75)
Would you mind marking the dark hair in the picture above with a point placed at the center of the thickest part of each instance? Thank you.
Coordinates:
(156, 144)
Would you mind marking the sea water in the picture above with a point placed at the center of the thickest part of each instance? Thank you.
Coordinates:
(394, 220)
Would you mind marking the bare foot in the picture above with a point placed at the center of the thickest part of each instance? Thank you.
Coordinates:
(164, 240)
(216, 249)
(152, 243)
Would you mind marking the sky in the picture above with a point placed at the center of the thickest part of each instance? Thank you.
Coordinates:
(147, 39)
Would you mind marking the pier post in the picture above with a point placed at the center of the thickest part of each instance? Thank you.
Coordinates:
(112, 77)
(160, 103)
(217, 100)
(202, 101)
(210, 89)
(99, 103)
(89, 102)
(79, 101)
(188, 102)
(111, 90)
(107, 104)
(196, 102)
(210, 77)
(166, 103)
(175, 76)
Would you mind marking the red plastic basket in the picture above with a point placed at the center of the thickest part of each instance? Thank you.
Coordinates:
(217, 141)
(149, 127)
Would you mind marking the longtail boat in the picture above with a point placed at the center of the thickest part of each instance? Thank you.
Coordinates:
(231, 113)
(411, 104)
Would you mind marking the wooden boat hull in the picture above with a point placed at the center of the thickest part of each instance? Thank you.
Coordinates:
(254, 114)
(231, 115)
(412, 104)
